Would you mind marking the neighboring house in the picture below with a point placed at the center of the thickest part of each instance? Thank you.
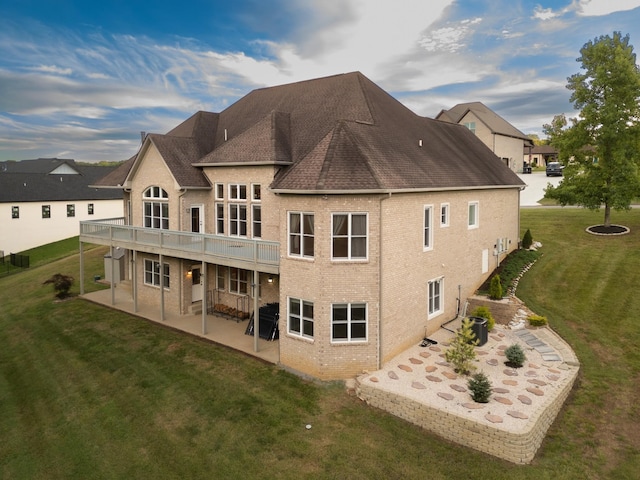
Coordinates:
(540, 155)
(43, 201)
(368, 224)
(505, 140)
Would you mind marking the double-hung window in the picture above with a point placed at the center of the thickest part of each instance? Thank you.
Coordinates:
(256, 221)
(237, 211)
(238, 281)
(444, 214)
(156, 208)
(221, 275)
(428, 227)
(349, 322)
(15, 211)
(436, 290)
(220, 218)
(300, 319)
(474, 220)
(349, 236)
(153, 272)
(301, 234)
(46, 211)
(71, 210)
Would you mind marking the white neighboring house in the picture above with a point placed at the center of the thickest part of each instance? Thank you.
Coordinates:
(44, 200)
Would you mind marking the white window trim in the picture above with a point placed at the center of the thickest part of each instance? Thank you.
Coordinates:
(218, 218)
(162, 275)
(300, 334)
(217, 188)
(253, 193)
(428, 244)
(476, 223)
(238, 220)
(349, 257)
(238, 187)
(447, 210)
(349, 323)
(254, 222)
(302, 235)
(440, 310)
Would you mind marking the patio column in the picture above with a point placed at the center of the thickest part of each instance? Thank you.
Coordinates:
(81, 269)
(134, 280)
(203, 280)
(113, 279)
(256, 314)
(161, 288)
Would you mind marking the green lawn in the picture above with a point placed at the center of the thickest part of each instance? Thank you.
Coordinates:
(86, 392)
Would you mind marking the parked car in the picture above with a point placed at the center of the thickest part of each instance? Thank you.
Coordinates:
(554, 169)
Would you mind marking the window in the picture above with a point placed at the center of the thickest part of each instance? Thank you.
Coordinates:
(444, 215)
(15, 212)
(152, 273)
(428, 227)
(71, 210)
(349, 322)
(435, 297)
(473, 215)
(46, 211)
(219, 191)
(238, 281)
(237, 220)
(255, 192)
(300, 318)
(349, 236)
(256, 221)
(221, 275)
(90, 209)
(471, 126)
(156, 208)
(301, 236)
(220, 218)
(237, 192)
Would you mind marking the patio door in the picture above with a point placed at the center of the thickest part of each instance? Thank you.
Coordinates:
(197, 218)
(196, 284)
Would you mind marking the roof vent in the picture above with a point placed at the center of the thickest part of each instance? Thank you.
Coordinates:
(225, 135)
(420, 143)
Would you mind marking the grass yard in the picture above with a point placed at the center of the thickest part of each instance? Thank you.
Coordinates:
(86, 392)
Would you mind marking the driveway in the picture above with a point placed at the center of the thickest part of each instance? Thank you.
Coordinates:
(536, 183)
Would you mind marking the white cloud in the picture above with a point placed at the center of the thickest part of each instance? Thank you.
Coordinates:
(603, 7)
(53, 69)
(540, 13)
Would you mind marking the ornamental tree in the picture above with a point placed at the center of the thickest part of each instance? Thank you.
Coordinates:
(601, 148)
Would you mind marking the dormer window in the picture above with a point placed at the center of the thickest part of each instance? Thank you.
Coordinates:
(156, 208)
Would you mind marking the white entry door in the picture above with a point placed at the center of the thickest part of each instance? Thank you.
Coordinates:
(196, 284)
(197, 218)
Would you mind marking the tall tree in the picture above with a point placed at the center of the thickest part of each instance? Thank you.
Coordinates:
(601, 148)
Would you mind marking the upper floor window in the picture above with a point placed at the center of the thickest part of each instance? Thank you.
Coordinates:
(301, 234)
(46, 211)
(90, 209)
(71, 210)
(15, 211)
(237, 192)
(156, 208)
(300, 319)
(471, 126)
(428, 227)
(255, 192)
(444, 215)
(349, 322)
(256, 221)
(219, 191)
(349, 236)
(220, 218)
(474, 220)
(237, 220)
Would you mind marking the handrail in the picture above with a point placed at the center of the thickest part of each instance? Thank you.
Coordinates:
(114, 230)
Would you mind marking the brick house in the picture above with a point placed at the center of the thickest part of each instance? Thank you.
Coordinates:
(367, 224)
(505, 140)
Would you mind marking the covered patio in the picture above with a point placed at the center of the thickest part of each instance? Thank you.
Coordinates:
(219, 330)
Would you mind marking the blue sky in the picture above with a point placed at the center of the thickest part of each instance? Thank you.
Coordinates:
(82, 79)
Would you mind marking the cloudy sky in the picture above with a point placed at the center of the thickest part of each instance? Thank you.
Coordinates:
(82, 79)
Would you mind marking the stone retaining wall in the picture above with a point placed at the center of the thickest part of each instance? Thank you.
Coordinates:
(503, 311)
(518, 447)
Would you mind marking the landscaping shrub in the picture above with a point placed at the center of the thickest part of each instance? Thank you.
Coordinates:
(480, 387)
(537, 320)
(61, 284)
(484, 312)
(515, 356)
(461, 353)
(495, 289)
(527, 239)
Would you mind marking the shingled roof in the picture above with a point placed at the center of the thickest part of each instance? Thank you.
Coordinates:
(341, 133)
(491, 119)
(37, 181)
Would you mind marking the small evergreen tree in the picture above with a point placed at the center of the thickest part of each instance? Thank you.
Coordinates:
(527, 240)
(495, 289)
(61, 284)
(461, 352)
(480, 387)
(484, 312)
(515, 356)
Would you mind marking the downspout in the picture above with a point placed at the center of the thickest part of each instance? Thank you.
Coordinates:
(380, 257)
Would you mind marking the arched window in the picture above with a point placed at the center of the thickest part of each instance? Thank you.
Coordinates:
(156, 208)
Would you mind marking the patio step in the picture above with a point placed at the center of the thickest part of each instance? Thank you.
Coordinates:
(196, 308)
(124, 285)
